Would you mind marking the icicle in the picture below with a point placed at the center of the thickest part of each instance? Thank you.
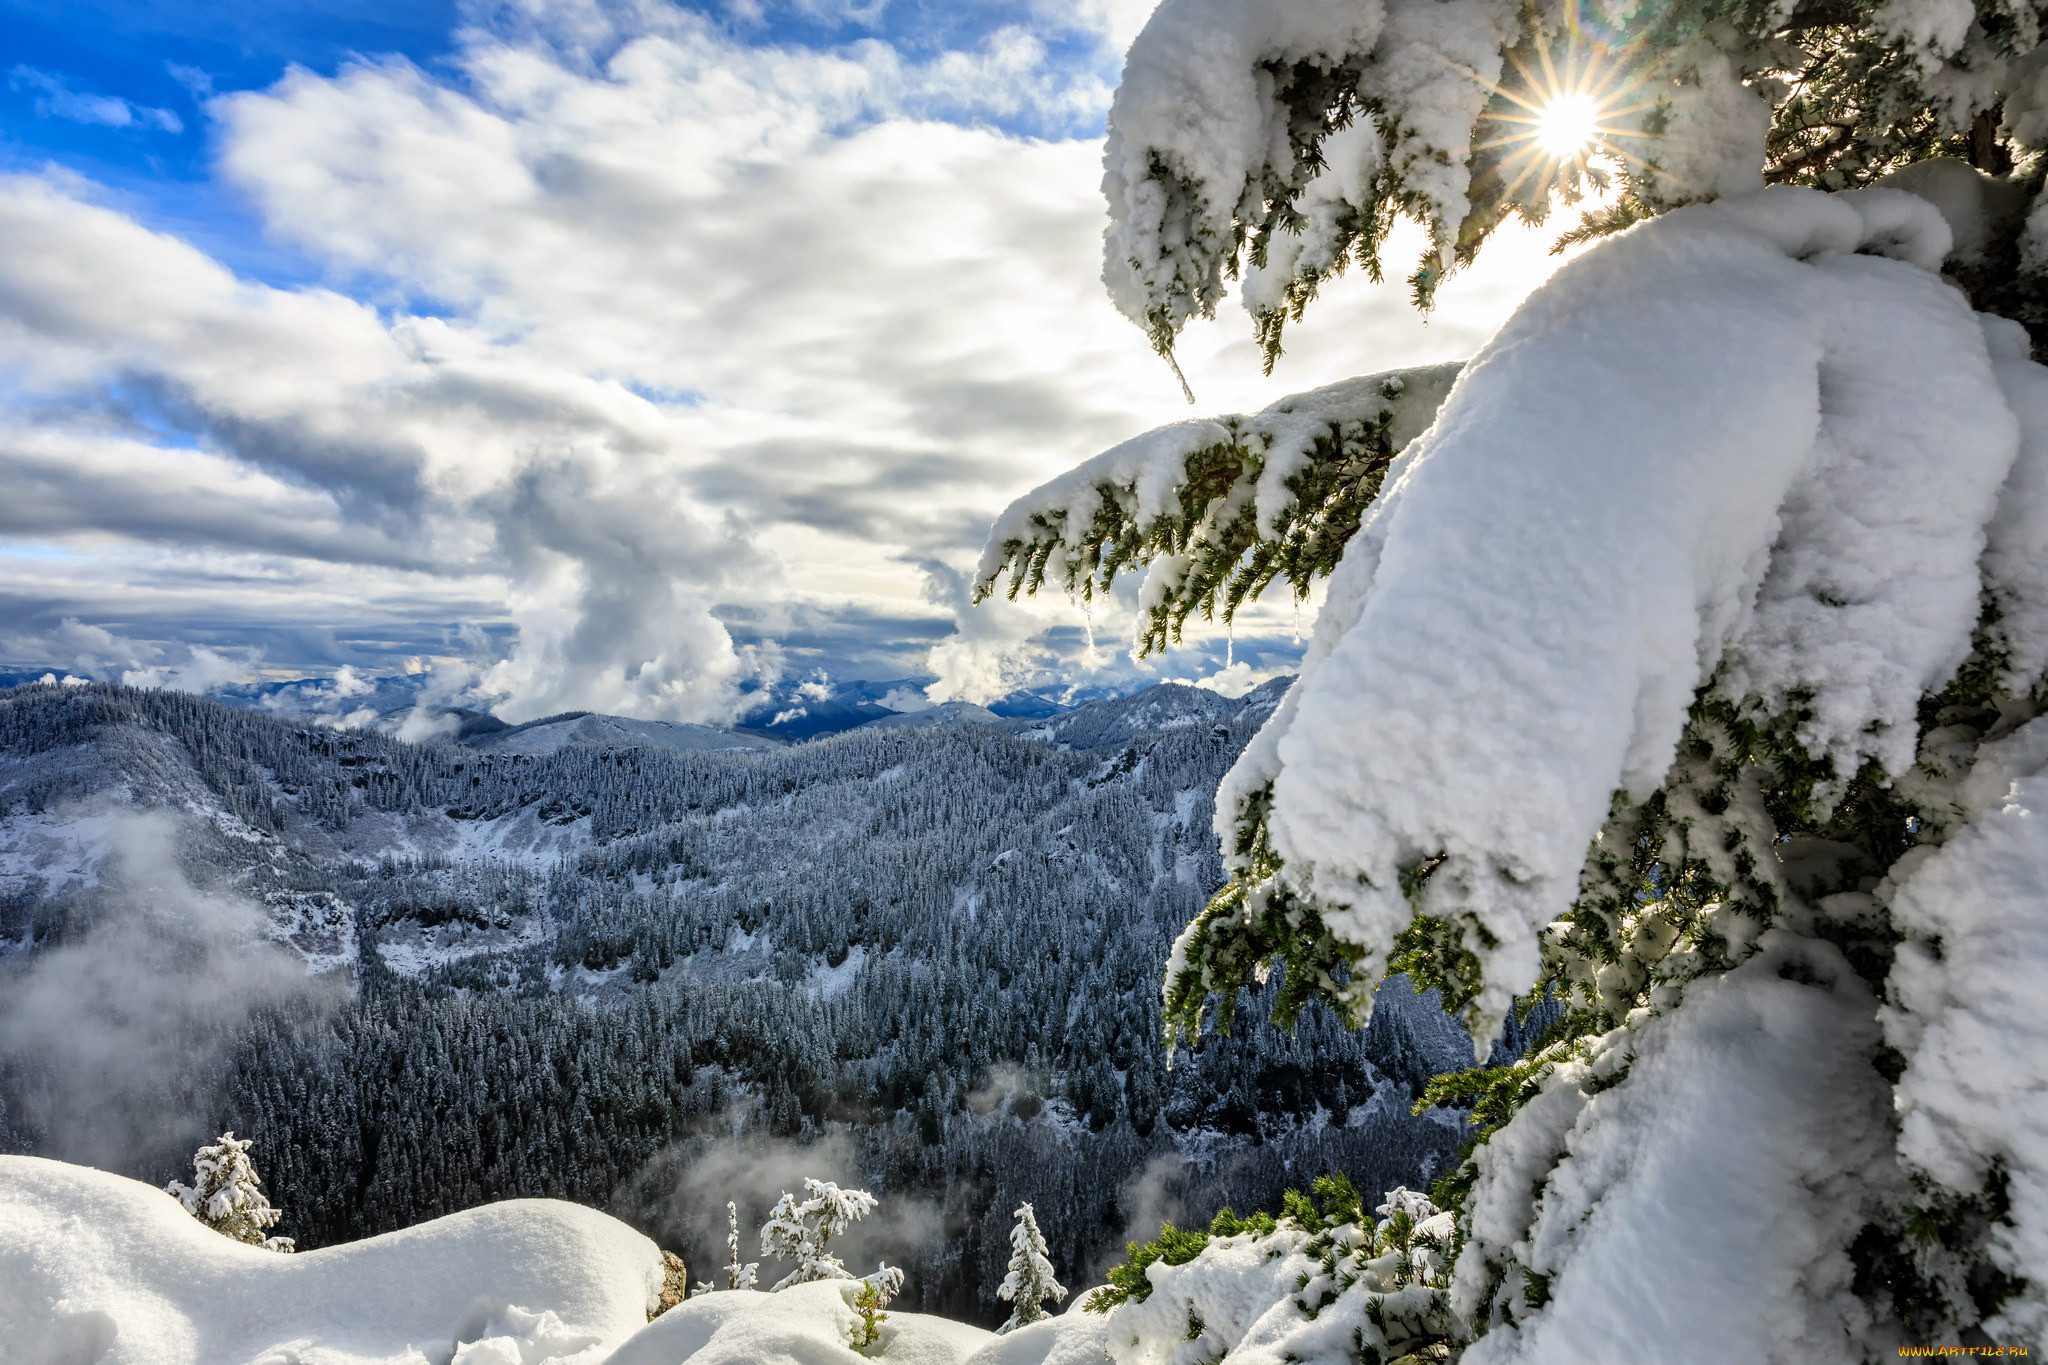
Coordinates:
(1185, 391)
(1229, 643)
(1297, 618)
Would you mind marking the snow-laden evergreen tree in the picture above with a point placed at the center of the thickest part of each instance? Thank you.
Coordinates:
(1682, 651)
(799, 1230)
(226, 1194)
(1030, 1281)
(737, 1276)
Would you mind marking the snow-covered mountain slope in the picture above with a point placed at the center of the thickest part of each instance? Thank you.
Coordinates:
(1168, 706)
(946, 713)
(932, 953)
(614, 732)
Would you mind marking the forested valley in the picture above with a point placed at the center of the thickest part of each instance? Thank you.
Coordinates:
(925, 959)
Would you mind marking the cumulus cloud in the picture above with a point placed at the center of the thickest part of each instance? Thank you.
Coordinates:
(991, 645)
(613, 599)
(1236, 678)
(96, 652)
(661, 354)
(204, 670)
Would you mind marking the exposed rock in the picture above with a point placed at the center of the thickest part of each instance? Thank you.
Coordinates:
(675, 1282)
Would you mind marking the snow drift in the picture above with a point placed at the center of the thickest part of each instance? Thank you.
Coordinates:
(97, 1269)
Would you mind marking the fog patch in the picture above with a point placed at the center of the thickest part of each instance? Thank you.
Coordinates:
(679, 1199)
(115, 1041)
(1009, 1084)
(1155, 1194)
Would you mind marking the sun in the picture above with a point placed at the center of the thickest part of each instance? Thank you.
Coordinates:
(1568, 124)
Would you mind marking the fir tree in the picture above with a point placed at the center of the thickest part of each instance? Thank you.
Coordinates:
(799, 1230)
(737, 1276)
(226, 1195)
(868, 1317)
(1456, 124)
(1772, 804)
(1030, 1281)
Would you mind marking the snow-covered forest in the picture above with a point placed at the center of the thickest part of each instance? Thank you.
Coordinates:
(924, 955)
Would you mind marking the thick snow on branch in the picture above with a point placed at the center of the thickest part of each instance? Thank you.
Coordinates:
(2016, 559)
(799, 1230)
(1700, 1210)
(1223, 105)
(1196, 129)
(1969, 992)
(1298, 1296)
(1758, 439)
(1150, 478)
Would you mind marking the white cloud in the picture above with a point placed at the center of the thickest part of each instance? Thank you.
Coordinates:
(905, 700)
(90, 651)
(1236, 678)
(1118, 21)
(203, 671)
(723, 332)
(56, 99)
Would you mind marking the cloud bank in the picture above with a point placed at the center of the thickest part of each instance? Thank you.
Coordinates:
(651, 355)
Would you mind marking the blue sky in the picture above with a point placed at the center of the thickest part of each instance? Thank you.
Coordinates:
(165, 56)
(610, 354)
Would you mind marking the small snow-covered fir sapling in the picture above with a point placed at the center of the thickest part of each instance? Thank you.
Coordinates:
(800, 1229)
(1030, 1281)
(737, 1276)
(226, 1194)
(1684, 655)
(869, 1317)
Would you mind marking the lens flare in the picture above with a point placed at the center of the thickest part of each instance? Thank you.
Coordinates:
(1568, 124)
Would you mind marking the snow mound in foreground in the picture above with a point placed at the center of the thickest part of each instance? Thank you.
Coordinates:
(102, 1269)
(97, 1267)
(812, 1324)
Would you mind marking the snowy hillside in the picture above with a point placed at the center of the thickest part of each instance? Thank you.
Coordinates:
(612, 732)
(922, 957)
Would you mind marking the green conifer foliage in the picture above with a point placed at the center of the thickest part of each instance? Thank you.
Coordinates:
(226, 1194)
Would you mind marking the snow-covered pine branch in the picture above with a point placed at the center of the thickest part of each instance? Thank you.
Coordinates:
(1327, 1283)
(1217, 509)
(226, 1194)
(1686, 665)
(799, 1230)
(1030, 1281)
(1283, 140)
